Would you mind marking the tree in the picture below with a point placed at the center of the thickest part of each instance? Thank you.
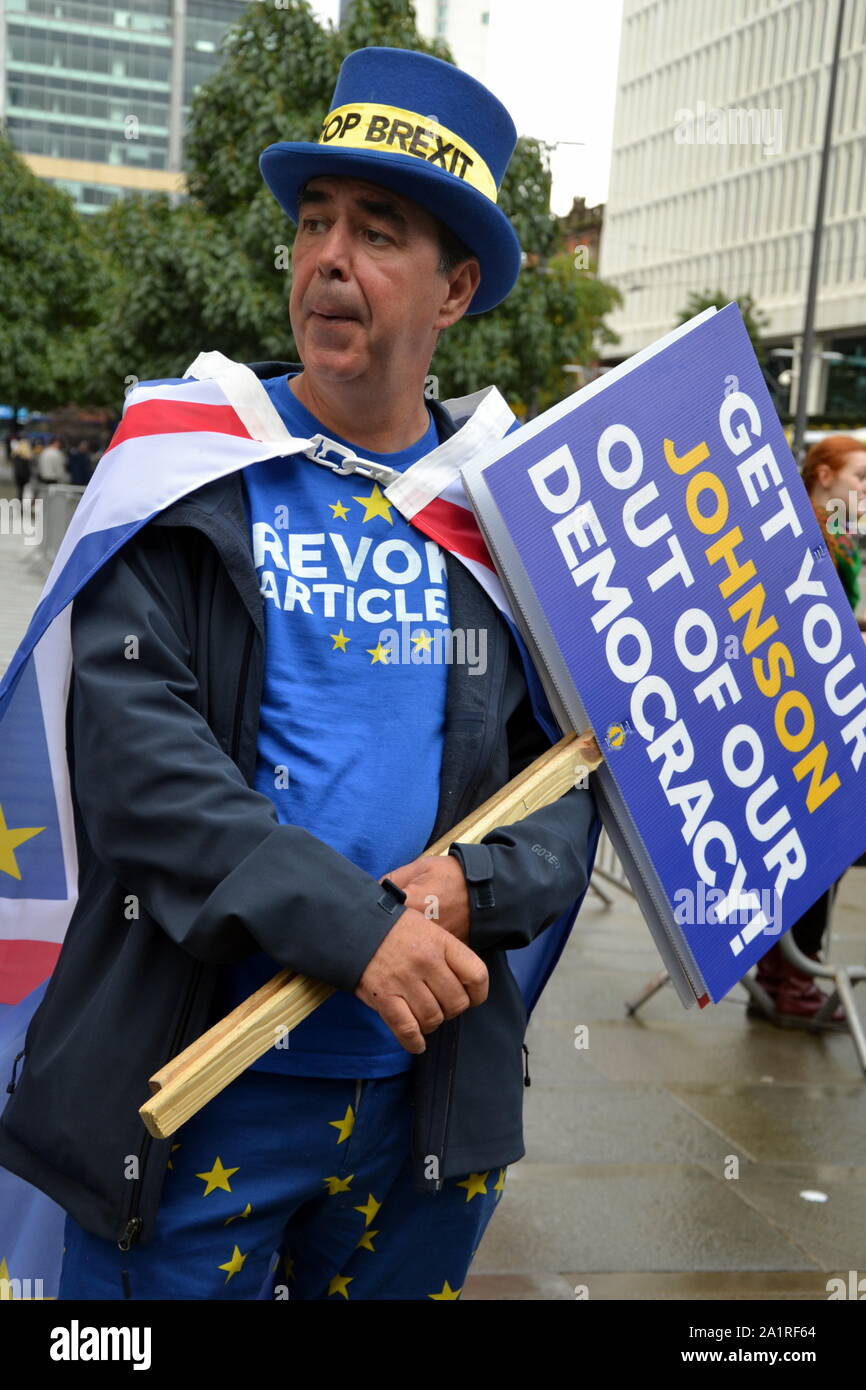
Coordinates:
(214, 272)
(51, 280)
(754, 318)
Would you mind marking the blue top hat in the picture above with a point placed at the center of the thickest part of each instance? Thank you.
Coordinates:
(423, 128)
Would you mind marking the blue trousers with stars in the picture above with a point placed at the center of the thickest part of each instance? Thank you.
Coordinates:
(294, 1188)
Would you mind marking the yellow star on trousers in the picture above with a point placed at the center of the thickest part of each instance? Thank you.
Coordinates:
(339, 510)
(375, 505)
(9, 842)
(336, 1185)
(368, 1211)
(475, 1184)
(378, 653)
(445, 1293)
(217, 1177)
(339, 1284)
(346, 1125)
(235, 1264)
(366, 1241)
(239, 1216)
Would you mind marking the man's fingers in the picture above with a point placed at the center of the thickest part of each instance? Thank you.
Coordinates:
(469, 969)
(395, 1012)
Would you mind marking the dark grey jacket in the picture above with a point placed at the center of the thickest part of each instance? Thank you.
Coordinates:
(184, 869)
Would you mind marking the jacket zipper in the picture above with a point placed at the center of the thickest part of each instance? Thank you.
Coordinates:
(133, 1223)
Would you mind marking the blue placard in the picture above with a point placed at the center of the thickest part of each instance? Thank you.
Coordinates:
(667, 536)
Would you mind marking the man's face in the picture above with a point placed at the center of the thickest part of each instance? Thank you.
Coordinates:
(367, 295)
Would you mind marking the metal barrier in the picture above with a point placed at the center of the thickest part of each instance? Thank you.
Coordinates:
(843, 977)
(58, 502)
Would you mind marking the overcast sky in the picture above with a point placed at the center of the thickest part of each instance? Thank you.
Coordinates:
(553, 64)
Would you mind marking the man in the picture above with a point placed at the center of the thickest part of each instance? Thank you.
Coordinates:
(253, 774)
(52, 464)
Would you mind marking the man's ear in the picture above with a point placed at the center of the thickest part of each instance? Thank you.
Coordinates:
(461, 284)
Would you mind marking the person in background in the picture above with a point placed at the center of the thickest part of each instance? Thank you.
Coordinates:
(834, 475)
(21, 456)
(52, 464)
(79, 465)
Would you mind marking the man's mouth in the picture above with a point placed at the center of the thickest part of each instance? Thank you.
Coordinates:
(330, 317)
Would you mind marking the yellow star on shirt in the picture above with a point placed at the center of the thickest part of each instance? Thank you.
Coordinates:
(346, 1125)
(445, 1293)
(217, 1177)
(336, 1185)
(340, 640)
(366, 1241)
(368, 1211)
(475, 1184)
(9, 842)
(378, 653)
(339, 1284)
(239, 1216)
(423, 639)
(375, 505)
(339, 509)
(235, 1264)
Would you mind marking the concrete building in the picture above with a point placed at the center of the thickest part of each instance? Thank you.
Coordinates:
(464, 25)
(717, 141)
(95, 93)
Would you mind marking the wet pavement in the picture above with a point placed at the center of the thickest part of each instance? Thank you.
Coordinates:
(668, 1158)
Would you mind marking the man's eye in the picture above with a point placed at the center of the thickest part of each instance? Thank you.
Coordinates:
(372, 232)
(311, 223)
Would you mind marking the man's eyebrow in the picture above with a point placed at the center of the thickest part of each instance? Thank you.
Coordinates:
(384, 208)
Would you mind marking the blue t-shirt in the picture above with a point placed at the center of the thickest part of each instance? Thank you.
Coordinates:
(353, 702)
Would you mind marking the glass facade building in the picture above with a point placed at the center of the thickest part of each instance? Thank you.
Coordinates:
(96, 96)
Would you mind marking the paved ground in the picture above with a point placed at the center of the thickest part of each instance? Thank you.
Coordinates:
(625, 1188)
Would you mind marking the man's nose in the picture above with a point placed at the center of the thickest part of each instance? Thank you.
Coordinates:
(334, 253)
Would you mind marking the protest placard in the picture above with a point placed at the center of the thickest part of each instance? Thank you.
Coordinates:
(677, 593)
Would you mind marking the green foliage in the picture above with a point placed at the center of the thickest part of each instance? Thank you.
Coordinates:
(754, 318)
(210, 272)
(51, 281)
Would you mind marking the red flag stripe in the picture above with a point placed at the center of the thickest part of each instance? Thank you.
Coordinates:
(455, 528)
(177, 417)
(23, 966)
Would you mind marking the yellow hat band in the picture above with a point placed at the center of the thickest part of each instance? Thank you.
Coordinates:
(366, 125)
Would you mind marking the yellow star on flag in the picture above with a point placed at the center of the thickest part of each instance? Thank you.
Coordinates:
(340, 640)
(217, 1177)
(289, 1266)
(475, 1184)
(499, 1185)
(9, 842)
(339, 1284)
(173, 1149)
(339, 510)
(336, 1185)
(5, 1289)
(346, 1125)
(366, 1241)
(239, 1216)
(423, 639)
(378, 653)
(235, 1264)
(375, 505)
(445, 1293)
(368, 1211)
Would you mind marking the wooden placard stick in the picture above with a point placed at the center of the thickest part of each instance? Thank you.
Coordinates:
(203, 1069)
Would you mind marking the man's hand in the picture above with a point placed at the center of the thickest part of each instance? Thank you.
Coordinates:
(420, 976)
(435, 886)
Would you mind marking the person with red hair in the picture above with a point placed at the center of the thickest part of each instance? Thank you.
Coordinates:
(834, 475)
